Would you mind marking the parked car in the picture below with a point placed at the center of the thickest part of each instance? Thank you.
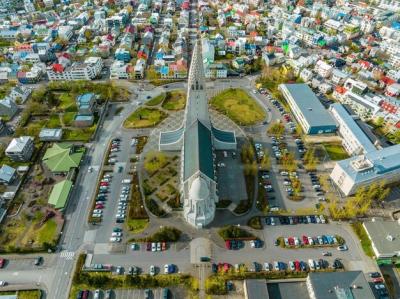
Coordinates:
(152, 270)
(342, 248)
(38, 261)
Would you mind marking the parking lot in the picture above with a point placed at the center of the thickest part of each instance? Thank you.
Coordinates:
(120, 166)
(231, 183)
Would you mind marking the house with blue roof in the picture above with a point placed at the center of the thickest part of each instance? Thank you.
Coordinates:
(86, 104)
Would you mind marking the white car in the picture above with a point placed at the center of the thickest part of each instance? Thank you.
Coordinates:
(291, 266)
(115, 239)
(120, 216)
(96, 215)
(343, 248)
(166, 269)
(322, 218)
(116, 234)
(284, 173)
(311, 264)
(153, 247)
(310, 241)
(3, 283)
(267, 266)
(97, 211)
(152, 270)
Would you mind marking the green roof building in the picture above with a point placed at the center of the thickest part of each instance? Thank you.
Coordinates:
(60, 193)
(61, 157)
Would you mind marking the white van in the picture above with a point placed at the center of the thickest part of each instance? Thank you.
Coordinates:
(126, 181)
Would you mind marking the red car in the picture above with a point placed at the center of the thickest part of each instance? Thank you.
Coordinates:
(291, 241)
(2, 262)
(163, 246)
(305, 240)
(297, 265)
(377, 280)
(226, 267)
(103, 184)
(228, 244)
(99, 206)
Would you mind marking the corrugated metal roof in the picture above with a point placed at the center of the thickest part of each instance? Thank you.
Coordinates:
(198, 151)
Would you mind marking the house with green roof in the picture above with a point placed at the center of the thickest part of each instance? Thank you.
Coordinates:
(59, 194)
(62, 157)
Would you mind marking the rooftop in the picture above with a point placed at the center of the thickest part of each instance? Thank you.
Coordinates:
(59, 194)
(372, 164)
(359, 134)
(385, 236)
(61, 157)
(334, 285)
(198, 151)
(309, 105)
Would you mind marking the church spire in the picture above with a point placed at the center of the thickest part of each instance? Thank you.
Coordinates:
(196, 104)
(196, 80)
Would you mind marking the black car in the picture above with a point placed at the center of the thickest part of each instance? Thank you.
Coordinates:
(257, 267)
(79, 295)
(337, 264)
(214, 268)
(38, 261)
(374, 274)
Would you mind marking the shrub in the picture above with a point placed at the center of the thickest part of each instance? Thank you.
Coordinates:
(234, 232)
(255, 222)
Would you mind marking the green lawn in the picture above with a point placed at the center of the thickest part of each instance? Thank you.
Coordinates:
(67, 102)
(32, 128)
(78, 134)
(362, 235)
(238, 106)
(175, 100)
(136, 226)
(54, 121)
(144, 118)
(335, 152)
(47, 232)
(156, 100)
(68, 118)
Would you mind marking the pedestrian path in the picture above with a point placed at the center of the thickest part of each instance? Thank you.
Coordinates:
(68, 255)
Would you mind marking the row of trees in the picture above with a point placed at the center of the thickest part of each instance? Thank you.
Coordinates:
(365, 198)
(310, 159)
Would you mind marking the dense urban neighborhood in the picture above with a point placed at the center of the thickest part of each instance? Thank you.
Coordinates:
(199, 149)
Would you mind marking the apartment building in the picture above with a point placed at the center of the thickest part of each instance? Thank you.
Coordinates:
(354, 140)
(87, 70)
(20, 149)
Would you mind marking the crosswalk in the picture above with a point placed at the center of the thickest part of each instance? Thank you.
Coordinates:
(68, 255)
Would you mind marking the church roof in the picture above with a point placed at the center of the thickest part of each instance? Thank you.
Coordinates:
(198, 151)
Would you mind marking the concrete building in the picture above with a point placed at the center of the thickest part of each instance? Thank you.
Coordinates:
(385, 239)
(197, 139)
(307, 109)
(354, 140)
(334, 285)
(374, 166)
(88, 70)
(50, 134)
(8, 107)
(20, 149)
(255, 289)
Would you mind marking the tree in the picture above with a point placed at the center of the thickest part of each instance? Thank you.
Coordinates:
(88, 35)
(265, 163)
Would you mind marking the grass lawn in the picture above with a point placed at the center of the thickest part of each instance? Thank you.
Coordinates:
(68, 118)
(54, 121)
(28, 294)
(136, 226)
(238, 106)
(144, 118)
(175, 100)
(67, 102)
(78, 134)
(47, 232)
(335, 152)
(362, 235)
(156, 100)
(32, 129)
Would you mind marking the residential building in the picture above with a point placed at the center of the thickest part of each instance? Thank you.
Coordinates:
(365, 106)
(339, 77)
(86, 103)
(385, 239)
(374, 166)
(323, 69)
(88, 70)
(216, 70)
(83, 120)
(65, 32)
(7, 175)
(20, 149)
(60, 194)
(307, 109)
(50, 134)
(354, 140)
(333, 285)
(62, 157)
(139, 68)
(20, 93)
(8, 107)
(120, 70)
